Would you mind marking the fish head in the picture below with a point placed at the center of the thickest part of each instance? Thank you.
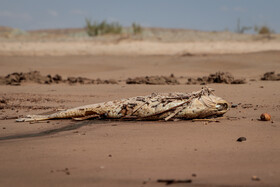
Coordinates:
(216, 105)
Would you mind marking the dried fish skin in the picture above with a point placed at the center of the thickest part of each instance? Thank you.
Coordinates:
(200, 104)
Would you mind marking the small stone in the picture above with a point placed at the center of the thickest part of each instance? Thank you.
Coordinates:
(193, 175)
(255, 178)
(110, 155)
(234, 105)
(241, 139)
(265, 117)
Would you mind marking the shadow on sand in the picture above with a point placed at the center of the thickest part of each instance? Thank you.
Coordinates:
(54, 131)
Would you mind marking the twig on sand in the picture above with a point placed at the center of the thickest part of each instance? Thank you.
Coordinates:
(210, 120)
(172, 181)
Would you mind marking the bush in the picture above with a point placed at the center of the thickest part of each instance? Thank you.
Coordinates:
(101, 28)
(137, 29)
(264, 30)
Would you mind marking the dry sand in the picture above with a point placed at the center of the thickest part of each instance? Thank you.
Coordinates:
(116, 153)
(54, 48)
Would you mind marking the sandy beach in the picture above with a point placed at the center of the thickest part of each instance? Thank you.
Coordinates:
(139, 153)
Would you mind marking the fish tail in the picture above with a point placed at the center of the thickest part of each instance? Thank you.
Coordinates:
(30, 118)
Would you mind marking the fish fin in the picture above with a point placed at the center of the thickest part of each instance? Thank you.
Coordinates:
(86, 117)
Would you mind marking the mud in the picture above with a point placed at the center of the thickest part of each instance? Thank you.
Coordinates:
(154, 80)
(218, 77)
(17, 78)
(271, 76)
(83, 80)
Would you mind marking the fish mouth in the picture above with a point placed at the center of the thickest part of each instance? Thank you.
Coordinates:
(222, 106)
(216, 104)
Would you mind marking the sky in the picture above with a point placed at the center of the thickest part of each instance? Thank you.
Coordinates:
(207, 15)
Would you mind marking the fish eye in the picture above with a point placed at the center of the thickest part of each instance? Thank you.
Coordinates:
(222, 106)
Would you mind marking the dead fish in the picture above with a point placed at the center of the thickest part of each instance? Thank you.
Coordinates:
(165, 106)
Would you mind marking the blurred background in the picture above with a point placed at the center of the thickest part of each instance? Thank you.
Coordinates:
(214, 15)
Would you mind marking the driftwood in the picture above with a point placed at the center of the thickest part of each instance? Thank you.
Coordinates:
(200, 104)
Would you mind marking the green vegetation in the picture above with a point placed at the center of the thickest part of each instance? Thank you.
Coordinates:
(136, 28)
(263, 30)
(101, 28)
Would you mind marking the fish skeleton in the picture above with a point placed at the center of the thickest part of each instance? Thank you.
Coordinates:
(165, 106)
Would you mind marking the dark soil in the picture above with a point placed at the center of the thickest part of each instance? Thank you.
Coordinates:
(35, 77)
(83, 80)
(271, 76)
(218, 77)
(17, 78)
(154, 80)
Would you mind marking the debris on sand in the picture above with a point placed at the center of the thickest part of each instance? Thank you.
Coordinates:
(241, 139)
(271, 76)
(17, 79)
(245, 106)
(66, 171)
(154, 80)
(83, 80)
(3, 104)
(173, 181)
(255, 178)
(234, 105)
(194, 175)
(3, 101)
(218, 77)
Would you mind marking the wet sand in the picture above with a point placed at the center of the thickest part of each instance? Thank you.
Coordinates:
(117, 153)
